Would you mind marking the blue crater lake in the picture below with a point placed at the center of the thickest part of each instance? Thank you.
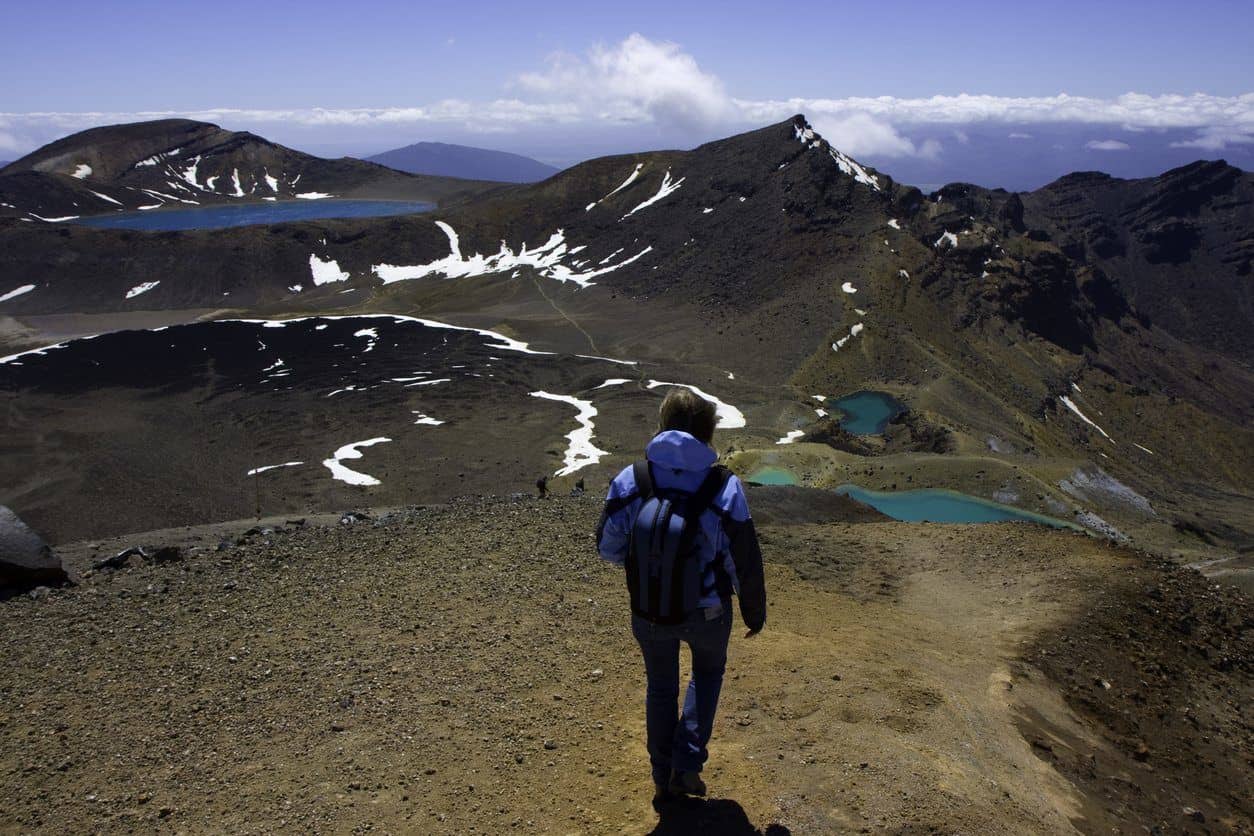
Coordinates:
(866, 412)
(944, 506)
(248, 214)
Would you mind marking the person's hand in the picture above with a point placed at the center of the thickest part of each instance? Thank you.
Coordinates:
(751, 633)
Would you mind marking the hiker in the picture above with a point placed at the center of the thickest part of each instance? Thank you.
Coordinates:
(681, 528)
(542, 485)
(579, 488)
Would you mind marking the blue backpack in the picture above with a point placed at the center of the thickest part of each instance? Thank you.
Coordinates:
(664, 573)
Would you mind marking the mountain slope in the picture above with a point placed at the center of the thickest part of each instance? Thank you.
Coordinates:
(1179, 245)
(767, 269)
(445, 160)
(179, 162)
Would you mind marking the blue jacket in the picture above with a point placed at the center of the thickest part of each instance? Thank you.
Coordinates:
(681, 461)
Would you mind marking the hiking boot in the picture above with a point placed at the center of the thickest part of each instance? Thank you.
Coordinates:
(662, 795)
(686, 783)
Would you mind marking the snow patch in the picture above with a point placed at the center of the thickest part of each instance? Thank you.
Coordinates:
(426, 419)
(141, 288)
(848, 287)
(1070, 404)
(264, 468)
(613, 381)
(630, 179)
(545, 259)
(53, 220)
(946, 238)
(792, 436)
(82, 171)
(666, 188)
(325, 272)
(893, 223)
(13, 294)
(314, 195)
(350, 451)
(580, 452)
(105, 197)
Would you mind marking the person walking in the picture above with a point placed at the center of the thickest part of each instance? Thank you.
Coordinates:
(680, 527)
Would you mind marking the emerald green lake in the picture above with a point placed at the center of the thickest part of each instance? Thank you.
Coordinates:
(867, 412)
(944, 506)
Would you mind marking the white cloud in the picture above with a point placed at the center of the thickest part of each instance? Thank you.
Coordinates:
(1107, 145)
(1018, 135)
(643, 82)
(1217, 139)
(861, 134)
(638, 80)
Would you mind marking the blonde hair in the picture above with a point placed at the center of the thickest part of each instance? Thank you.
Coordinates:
(684, 410)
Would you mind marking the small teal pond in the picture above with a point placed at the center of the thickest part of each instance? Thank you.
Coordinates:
(773, 476)
(248, 214)
(866, 412)
(944, 506)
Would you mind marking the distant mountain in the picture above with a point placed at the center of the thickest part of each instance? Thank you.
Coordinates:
(180, 162)
(444, 160)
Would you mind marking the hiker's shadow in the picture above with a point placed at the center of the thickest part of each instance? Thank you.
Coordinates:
(714, 816)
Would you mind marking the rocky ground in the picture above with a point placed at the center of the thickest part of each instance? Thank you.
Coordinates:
(468, 668)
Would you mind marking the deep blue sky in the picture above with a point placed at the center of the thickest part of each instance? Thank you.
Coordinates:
(698, 70)
(177, 55)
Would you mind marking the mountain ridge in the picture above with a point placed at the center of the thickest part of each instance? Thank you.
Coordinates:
(181, 162)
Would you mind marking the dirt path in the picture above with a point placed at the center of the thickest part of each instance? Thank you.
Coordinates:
(468, 669)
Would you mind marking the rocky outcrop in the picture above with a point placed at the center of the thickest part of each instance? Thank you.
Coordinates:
(25, 559)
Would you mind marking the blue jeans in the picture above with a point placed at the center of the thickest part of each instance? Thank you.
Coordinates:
(679, 742)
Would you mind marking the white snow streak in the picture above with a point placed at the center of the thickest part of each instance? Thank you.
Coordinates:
(848, 287)
(141, 288)
(1070, 404)
(947, 237)
(263, 469)
(792, 436)
(350, 451)
(893, 223)
(239, 189)
(630, 179)
(82, 171)
(13, 294)
(545, 259)
(666, 188)
(105, 197)
(613, 381)
(314, 195)
(580, 452)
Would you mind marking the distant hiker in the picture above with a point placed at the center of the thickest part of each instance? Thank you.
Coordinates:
(578, 489)
(681, 527)
(542, 485)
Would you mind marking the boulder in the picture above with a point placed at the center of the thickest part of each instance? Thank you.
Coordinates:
(25, 559)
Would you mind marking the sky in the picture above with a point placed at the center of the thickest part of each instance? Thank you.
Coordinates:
(921, 90)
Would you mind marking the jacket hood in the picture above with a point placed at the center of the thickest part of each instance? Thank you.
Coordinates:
(679, 450)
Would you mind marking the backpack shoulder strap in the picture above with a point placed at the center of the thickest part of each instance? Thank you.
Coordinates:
(710, 488)
(644, 478)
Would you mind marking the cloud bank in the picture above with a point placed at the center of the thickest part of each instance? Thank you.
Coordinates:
(642, 82)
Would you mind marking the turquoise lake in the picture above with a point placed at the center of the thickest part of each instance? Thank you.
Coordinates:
(249, 214)
(944, 506)
(866, 412)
